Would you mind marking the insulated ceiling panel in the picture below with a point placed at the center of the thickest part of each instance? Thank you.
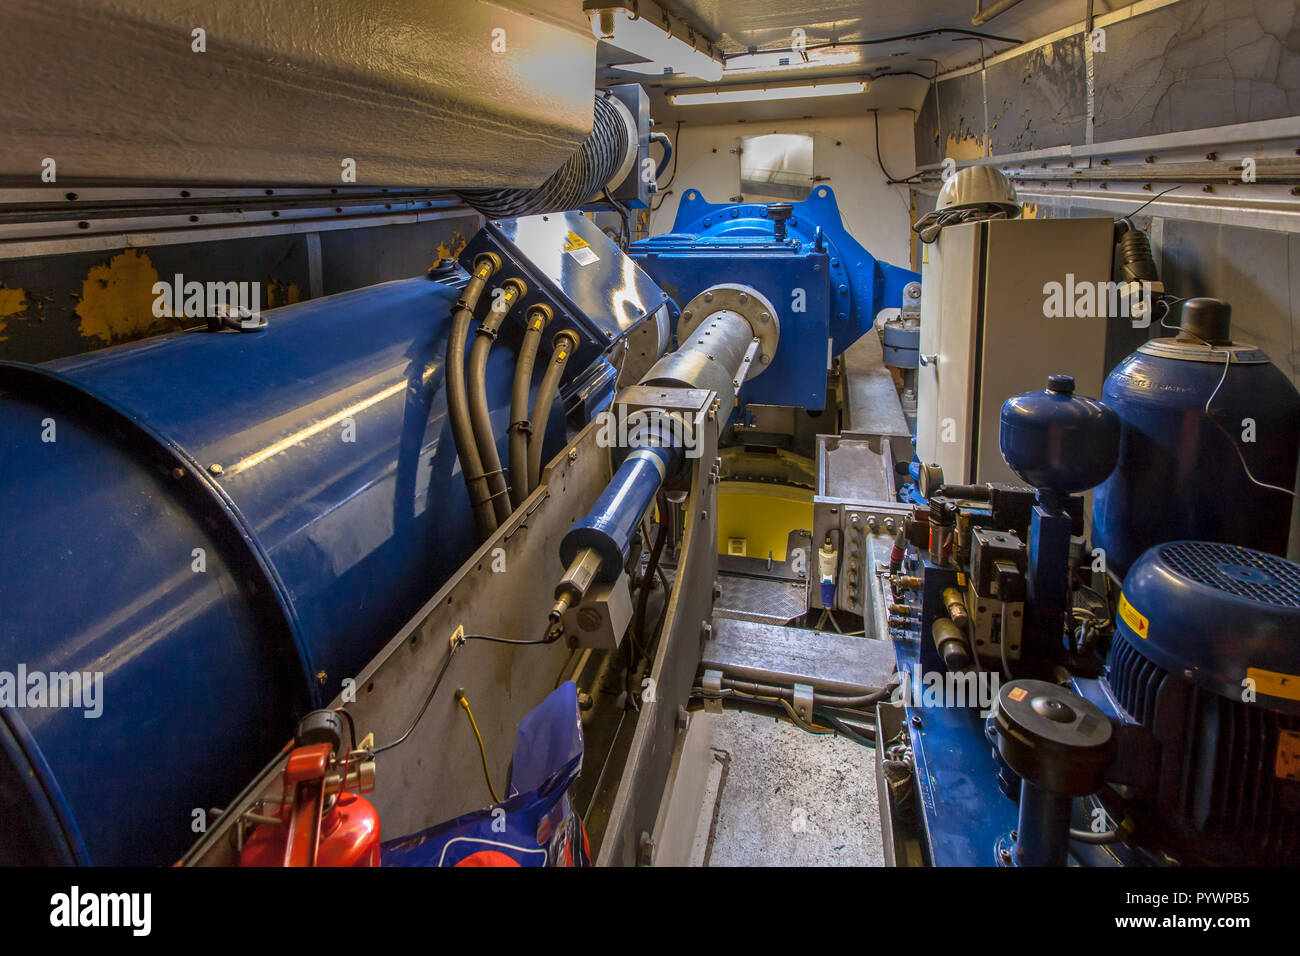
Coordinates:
(463, 94)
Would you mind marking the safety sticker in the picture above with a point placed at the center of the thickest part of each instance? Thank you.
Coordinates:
(1286, 686)
(1287, 766)
(580, 249)
(1018, 694)
(1132, 617)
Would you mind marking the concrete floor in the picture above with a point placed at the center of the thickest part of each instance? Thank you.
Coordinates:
(788, 798)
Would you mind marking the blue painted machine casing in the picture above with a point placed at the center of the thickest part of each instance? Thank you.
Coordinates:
(843, 286)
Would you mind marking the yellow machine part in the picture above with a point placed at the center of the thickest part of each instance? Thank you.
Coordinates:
(762, 516)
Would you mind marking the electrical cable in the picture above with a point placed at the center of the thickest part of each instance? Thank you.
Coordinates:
(626, 237)
(456, 645)
(889, 180)
(503, 640)
(837, 726)
(1151, 200)
(842, 701)
(922, 34)
(1097, 839)
(663, 190)
(482, 751)
(1227, 363)
(667, 144)
(437, 681)
(844, 730)
(637, 635)
(576, 183)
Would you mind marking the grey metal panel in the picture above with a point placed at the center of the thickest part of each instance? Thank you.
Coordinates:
(927, 141)
(352, 258)
(1249, 269)
(636, 803)
(69, 302)
(767, 653)
(286, 91)
(869, 392)
(852, 467)
(1039, 99)
(1183, 66)
(1018, 346)
(76, 303)
(961, 131)
(854, 520)
(1198, 63)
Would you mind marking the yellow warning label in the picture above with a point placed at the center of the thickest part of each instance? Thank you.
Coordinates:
(1132, 617)
(1286, 686)
(574, 241)
(1018, 694)
(1288, 755)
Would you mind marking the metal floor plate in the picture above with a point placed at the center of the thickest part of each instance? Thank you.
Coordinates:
(833, 663)
(763, 600)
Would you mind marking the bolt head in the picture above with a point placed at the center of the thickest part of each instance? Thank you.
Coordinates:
(215, 469)
(765, 358)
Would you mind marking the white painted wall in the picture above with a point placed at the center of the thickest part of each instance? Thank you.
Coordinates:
(875, 213)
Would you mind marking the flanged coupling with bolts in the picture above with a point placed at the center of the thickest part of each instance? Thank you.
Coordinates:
(742, 300)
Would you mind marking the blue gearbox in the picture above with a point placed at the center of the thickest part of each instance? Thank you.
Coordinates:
(824, 284)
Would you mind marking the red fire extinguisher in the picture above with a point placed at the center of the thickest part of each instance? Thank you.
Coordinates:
(323, 820)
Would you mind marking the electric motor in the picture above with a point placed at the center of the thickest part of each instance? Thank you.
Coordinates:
(1206, 658)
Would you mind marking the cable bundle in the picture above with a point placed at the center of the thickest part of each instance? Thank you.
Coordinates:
(579, 181)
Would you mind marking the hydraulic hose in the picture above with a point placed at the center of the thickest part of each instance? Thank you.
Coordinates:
(579, 181)
(462, 430)
(663, 140)
(480, 417)
(539, 316)
(564, 344)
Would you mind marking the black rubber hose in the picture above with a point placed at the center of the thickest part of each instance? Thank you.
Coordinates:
(663, 140)
(564, 344)
(462, 431)
(831, 700)
(539, 316)
(479, 414)
(576, 183)
(643, 598)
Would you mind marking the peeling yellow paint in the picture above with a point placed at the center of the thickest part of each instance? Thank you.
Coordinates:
(451, 249)
(969, 146)
(277, 293)
(13, 302)
(117, 299)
